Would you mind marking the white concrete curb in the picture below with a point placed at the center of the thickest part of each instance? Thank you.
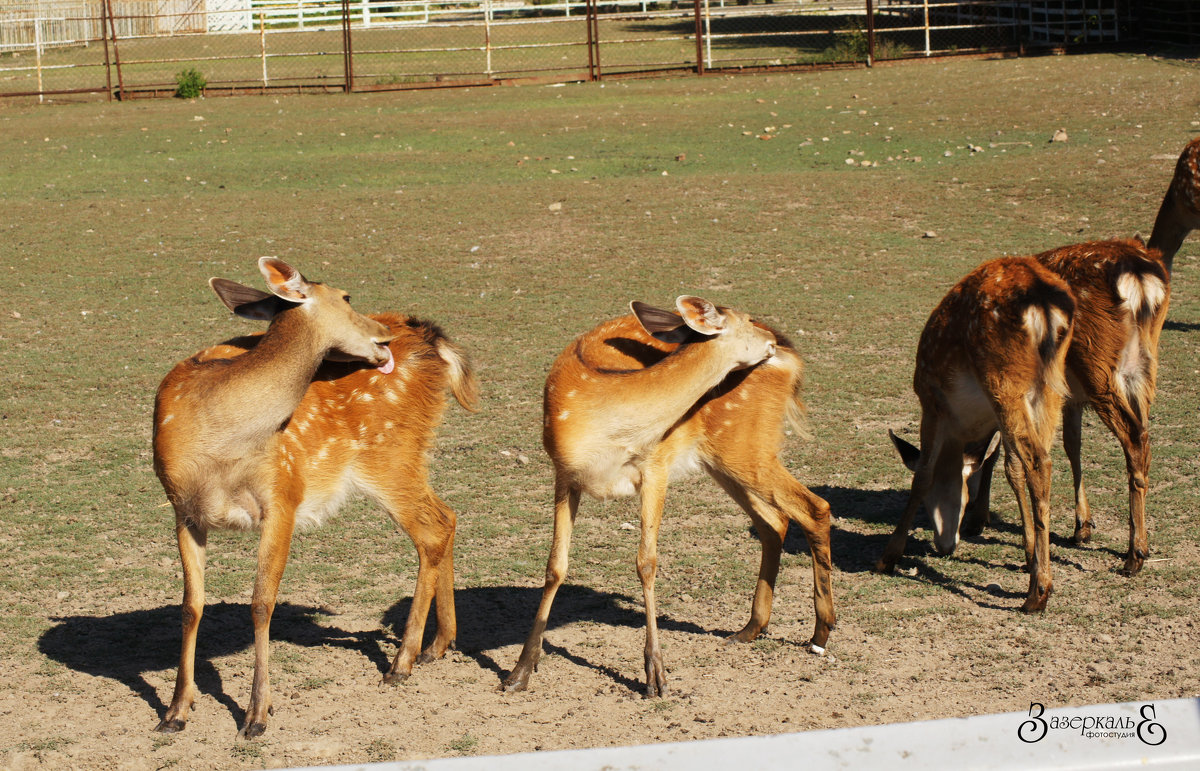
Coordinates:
(1155, 735)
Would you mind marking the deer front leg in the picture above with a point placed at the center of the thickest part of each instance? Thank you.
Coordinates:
(653, 493)
(931, 448)
(566, 506)
(274, 543)
(192, 542)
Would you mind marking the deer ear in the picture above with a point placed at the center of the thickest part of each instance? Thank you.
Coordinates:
(909, 454)
(661, 324)
(284, 280)
(1138, 237)
(253, 304)
(701, 315)
(975, 455)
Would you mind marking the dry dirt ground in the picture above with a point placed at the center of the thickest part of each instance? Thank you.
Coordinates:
(967, 652)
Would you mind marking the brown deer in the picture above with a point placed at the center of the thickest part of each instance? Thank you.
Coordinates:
(272, 432)
(1179, 213)
(991, 358)
(1122, 290)
(643, 396)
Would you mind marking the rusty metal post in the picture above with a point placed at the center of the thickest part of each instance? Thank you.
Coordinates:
(107, 63)
(347, 47)
(870, 34)
(112, 29)
(699, 40)
(591, 11)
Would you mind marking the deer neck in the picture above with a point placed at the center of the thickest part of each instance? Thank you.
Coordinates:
(664, 392)
(264, 385)
(1170, 229)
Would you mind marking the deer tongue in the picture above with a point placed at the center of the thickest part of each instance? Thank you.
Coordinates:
(389, 365)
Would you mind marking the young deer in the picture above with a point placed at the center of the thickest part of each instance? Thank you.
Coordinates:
(643, 396)
(1179, 213)
(991, 357)
(1122, 290)
(258, 432)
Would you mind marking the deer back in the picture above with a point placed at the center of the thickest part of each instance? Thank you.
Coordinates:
(1123, 290)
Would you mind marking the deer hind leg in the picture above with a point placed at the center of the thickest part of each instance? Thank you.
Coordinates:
(447, 622)
(566, 506)
(771, 527)
(1130, 430)
(653, 494)
(1072, 444)
(432, 533)
(192, 548)
(773, 499)
(1027, 465)
(812, 513)
(274, 543)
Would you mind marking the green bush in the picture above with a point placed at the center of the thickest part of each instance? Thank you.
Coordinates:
(189, 84)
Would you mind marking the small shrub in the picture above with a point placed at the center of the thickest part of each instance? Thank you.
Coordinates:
(464, 745)
(189, 84)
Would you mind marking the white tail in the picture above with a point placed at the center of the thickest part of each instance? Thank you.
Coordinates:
(643, 396)
(259, 432)
(991, 358)
(1179, 213)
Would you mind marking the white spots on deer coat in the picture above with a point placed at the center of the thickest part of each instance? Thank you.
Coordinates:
(564, 414)
(167, 419)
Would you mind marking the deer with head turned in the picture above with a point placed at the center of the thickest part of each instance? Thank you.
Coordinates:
(990, 360)
(275, 431)
(645, 396)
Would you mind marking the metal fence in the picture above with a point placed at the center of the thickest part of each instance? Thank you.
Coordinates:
(128, 48)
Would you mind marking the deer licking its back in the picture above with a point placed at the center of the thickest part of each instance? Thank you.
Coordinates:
(271, 432)
(656, 392)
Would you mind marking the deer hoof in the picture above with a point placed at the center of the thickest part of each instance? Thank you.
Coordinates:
(515, 682)
(170, 726)
(395, 678)
(251, 730)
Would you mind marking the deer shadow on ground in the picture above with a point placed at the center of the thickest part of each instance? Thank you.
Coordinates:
(126, 647)
(856, 552)
(1181, 326)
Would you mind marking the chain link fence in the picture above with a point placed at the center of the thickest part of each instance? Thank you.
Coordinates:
(128, 48)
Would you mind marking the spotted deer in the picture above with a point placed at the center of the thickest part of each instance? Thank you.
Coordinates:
(275, 431)
(992, 358)
(645, 396)
(1179, 213)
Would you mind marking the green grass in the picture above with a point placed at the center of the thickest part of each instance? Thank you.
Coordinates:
(439, 205)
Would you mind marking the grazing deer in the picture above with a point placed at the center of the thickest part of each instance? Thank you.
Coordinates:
(643, 396)
(1179, 213)
(1122, 292)
(259, 433)
(991, 358)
